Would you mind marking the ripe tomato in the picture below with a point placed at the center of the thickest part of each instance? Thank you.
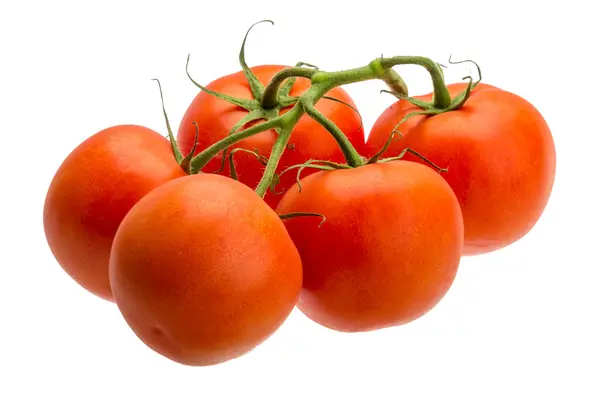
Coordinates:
(389, 247)
(203, 270)
(91, 192)
(500, 157)
(309, 140)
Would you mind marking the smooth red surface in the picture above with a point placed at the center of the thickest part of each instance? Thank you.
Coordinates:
(91, 192)
(309, 139)
(203, 270)
(388, 250)
(500, 157)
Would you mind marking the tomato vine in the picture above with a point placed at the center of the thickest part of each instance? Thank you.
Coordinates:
(269, 100)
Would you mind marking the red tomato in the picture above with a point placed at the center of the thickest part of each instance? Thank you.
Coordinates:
(309, 140)
(92, 191)
(203, 270)
(500, 157)
(388, 250)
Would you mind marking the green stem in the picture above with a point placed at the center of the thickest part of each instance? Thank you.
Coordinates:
(206, 155)
(271, 168)
(270, 96)
(340, 78)
(174, 147)
(250, 117)
(289, 121)
(415, 101)
(351, 155)
(441, 98)
(321, 83)
(286, 87)
(242, 103)
(390, 77)
(185, 162)
(395, 82)
(375, 158)
(256, 86)
(233, 171)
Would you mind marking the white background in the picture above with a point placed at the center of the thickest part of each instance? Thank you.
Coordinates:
(521, 322)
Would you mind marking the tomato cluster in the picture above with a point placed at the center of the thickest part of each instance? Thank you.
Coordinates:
(204, 269)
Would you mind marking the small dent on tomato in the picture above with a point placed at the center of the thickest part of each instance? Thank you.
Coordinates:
(157, 331)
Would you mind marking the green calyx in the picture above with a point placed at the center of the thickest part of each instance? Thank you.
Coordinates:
(310, 164)
(377, 157)
(232, 169)
(324, 165)
(268, 101)
(266, 105)
(435, 107)
(184, 162)
(254, 107)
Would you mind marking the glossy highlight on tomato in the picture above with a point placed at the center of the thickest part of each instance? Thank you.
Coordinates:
(500, 157)
(93, 189)
(309, 140)
(387, 251)
(203, 270)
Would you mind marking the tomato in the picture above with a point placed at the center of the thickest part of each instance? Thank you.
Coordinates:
(387, 251)
(91, 192)
(204, 270)
(309, 140)
(500, 156)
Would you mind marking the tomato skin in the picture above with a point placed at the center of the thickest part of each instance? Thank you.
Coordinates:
(309, 140)
(388, 250)
(500, 156)
(203, 270)
(91, 192)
